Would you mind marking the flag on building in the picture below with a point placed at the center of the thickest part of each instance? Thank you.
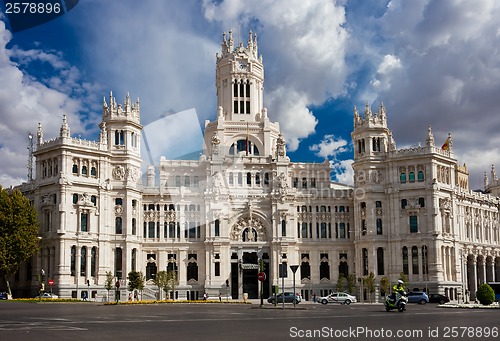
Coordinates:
(446, 145)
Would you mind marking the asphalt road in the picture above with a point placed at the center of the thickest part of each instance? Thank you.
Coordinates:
(90, 321)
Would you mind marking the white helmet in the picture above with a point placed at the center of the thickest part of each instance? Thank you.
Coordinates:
(400, 281)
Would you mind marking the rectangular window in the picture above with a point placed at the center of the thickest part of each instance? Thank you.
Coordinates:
(84, 227)
(118, 263)
(283, 228)
(257, 179)
(247, 107)
(413, 224)
(304, 183)
(217, 269)
(365, 261)
(313, 182)
(304, 230)
(379, 226)
(118, 225)
(295, 182)
(342, 230)
(151, 229)
(171, 229)
(323, 230)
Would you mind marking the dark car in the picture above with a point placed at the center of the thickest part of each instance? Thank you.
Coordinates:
(438, 298)
(419, 297)
(289, 298)
(3, 296)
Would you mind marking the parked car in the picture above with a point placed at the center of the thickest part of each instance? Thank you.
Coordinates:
(438, 298)
(337, 297)
(47, 295)
(3, 296)
(419, 297)
(289, 298)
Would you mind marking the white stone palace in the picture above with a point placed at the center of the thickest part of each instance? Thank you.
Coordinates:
(214, 220)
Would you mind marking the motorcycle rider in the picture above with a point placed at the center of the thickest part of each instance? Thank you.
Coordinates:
(397, 289)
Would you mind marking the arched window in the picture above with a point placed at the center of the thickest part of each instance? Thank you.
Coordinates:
(75, 169)
(93, 171)
(414, 260)
(93, 261)
(134, 226)
(402, 178)
(420, 176)
(411, 176)
(405, 260)
(73, 260)
(83, 261)
(305, 268)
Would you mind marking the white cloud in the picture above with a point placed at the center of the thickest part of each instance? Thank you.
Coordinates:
(448, 73)
(343, 172)
(329, 146)
(24, 102)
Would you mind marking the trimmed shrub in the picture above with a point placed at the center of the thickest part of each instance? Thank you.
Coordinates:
(485, 294)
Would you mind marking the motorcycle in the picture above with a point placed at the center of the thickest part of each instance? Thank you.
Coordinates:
(398, 303)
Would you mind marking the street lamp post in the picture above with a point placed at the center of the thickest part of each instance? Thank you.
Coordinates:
(294, 269)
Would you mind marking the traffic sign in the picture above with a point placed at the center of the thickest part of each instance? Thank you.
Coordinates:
(261, 276)
(51, 282)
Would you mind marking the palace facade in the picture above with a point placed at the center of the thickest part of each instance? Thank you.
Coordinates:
(244, 204)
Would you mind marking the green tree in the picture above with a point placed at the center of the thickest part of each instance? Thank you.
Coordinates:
(172, 275)
(369, 285)
(108, 283)
(384, 286)
(351, 283)
(164, 280)
(136, 281)
(18, 232)
(404, 278)
(485, 294)
(340, 282)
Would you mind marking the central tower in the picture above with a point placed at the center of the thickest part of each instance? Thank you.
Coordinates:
(239, 79)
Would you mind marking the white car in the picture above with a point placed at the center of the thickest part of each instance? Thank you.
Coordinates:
(47, 295)
(338, 297)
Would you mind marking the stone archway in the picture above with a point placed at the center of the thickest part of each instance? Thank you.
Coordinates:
(248, 229)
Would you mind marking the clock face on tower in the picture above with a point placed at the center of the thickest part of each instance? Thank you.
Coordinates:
(242, 66)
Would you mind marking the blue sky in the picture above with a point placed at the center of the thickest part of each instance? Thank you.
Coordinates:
(430, 62)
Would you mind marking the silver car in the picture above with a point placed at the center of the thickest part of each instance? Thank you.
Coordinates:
(338, 297)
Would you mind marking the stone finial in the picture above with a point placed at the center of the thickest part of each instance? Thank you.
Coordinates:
(430, 137)
(64, 131)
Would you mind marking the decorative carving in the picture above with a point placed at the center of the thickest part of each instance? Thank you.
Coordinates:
(118, 209)
(118, 173)
(46, 199)
(280, 146)
(248, 230)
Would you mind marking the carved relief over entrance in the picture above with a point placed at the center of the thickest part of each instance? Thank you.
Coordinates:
(249, 230)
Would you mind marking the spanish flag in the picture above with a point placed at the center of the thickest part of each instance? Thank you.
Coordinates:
(446, 145)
